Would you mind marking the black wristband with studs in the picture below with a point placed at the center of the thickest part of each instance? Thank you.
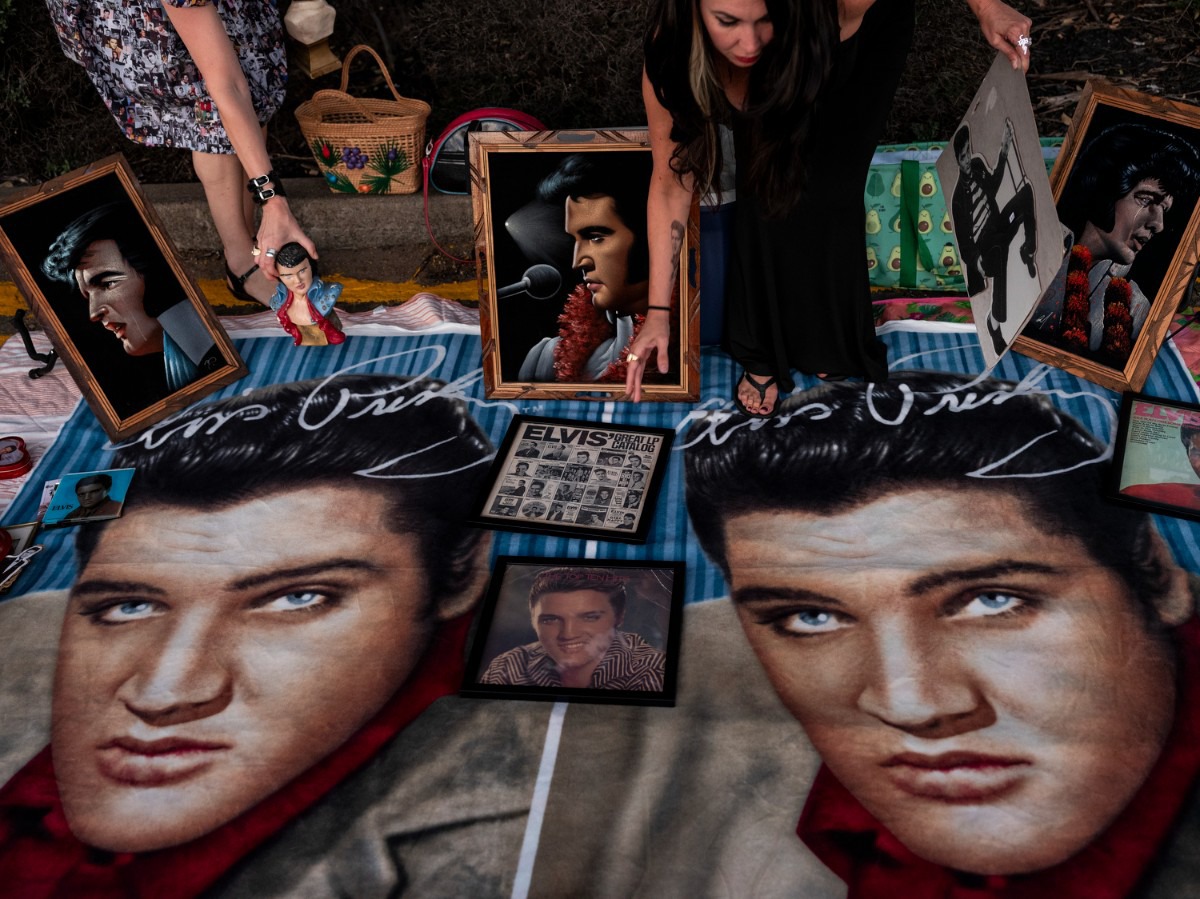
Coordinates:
(259, 190)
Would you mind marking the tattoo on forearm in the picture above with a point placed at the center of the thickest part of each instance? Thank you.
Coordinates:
(676, 246)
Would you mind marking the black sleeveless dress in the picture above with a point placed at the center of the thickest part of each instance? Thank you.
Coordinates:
(798, 294)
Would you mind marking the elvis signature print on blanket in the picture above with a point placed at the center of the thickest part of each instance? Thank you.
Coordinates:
(921, 656)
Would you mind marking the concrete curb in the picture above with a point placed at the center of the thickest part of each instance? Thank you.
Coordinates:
(391, 229)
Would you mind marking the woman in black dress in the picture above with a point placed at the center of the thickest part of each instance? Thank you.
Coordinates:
(805, 87)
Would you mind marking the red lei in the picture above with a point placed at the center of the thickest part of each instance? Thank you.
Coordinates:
(1116, 340)
(581, 330)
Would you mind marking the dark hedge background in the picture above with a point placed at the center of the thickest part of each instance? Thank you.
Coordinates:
(577, 64)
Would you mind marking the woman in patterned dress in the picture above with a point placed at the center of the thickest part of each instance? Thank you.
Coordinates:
(204, 76)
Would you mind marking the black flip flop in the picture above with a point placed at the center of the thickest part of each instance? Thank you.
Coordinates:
(761, 387)
(236, 284)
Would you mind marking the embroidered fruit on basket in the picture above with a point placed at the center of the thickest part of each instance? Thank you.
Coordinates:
(362, 145)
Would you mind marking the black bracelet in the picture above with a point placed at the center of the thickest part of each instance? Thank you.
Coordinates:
(259, 190)
(663, 308)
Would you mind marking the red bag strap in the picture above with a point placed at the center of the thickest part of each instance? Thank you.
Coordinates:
(425, 163)
(523, 120)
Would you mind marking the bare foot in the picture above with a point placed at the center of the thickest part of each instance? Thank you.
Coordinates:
(757, 395)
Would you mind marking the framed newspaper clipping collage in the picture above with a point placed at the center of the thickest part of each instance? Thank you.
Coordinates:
(576, 479)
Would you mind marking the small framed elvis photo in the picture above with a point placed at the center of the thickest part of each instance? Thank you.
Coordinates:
(1127, 193)
(88, 496)
(578, 631)
(576, 479)
(1156, 461)
(100, 273)
(564, 266)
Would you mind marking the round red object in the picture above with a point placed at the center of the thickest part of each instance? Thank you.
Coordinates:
(14, 458)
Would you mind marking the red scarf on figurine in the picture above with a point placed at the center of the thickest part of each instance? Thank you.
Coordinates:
(328, 328)
(40, 857)
(582, 329)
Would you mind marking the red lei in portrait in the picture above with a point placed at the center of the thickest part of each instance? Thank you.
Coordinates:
(582, 329)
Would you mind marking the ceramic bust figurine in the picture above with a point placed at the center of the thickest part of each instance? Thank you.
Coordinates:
(303, 302)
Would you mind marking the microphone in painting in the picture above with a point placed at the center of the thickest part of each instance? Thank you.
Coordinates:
(539, 281)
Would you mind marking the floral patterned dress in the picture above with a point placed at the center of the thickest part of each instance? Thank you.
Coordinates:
(146, 77)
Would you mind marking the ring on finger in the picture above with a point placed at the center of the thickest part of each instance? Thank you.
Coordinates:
(632, 357)
(1025, 42)
(256, 252)
(270, 254)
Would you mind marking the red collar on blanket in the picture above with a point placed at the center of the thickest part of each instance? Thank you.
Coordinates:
(873, 862)
(39, 856)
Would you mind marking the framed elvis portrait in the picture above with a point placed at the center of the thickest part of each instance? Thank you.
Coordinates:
(563, 263)
(578, 630)
(1126, 189)
(99, 271)
(576, 479)
(1156, 459)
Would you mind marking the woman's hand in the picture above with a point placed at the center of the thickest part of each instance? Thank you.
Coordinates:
(204, 35)
(277, 227)
(652, 339)
(1003, 27)
(667, 207)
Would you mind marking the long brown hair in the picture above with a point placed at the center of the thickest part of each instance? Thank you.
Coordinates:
(784, 87)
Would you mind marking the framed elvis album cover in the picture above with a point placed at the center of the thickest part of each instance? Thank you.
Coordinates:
(1156, 459)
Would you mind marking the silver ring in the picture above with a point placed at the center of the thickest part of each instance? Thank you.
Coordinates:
(270, 254)
(1025, 42)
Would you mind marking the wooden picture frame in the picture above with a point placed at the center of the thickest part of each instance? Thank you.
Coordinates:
(510, 644)
(1156, 457)
(169, 349)
(582, 479)
(1115, 135)
(530, 272)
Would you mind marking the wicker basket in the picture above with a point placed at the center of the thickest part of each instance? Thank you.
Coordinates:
(365, 146)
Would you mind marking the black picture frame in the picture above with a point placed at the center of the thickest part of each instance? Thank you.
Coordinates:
(541, 482)
(128, 388)
(653, 611)
(1151, 451)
